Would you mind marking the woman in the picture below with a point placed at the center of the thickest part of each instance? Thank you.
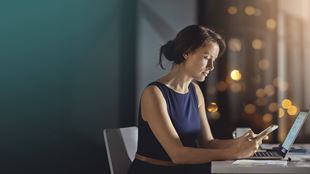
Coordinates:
(174, 133)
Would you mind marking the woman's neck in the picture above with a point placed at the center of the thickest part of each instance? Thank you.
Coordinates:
(177, 79)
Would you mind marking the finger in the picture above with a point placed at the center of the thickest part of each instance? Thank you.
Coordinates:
(248, 132)
(256, 146)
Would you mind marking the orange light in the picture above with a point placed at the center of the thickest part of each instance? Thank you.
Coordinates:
(286, 103)
(267, 118)
(250, 108)
(212, 107)
(292, 110)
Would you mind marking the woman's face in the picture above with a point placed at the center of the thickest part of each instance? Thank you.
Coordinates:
(199, 63)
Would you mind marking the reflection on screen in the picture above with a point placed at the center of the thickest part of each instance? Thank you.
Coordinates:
(289, 140)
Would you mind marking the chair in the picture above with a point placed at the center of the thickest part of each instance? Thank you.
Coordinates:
(121, 146)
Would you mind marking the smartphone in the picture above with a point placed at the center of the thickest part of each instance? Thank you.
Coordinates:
(267, 131)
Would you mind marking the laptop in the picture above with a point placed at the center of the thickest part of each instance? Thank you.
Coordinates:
(280, 151)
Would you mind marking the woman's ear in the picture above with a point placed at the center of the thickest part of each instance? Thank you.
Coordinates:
(185, 55)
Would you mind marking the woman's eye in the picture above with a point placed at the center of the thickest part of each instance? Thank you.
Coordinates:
(207, 57)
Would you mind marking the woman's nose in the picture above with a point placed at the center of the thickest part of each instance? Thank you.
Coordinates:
(210, 65)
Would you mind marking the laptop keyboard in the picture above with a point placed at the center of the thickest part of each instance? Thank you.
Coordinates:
(265, 154)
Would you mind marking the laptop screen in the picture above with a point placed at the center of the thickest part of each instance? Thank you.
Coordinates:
(299, 121)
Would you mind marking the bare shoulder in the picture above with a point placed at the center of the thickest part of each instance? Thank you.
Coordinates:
(151, 92)
(152, 102)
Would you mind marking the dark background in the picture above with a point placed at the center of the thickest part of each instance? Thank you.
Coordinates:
(64, 66)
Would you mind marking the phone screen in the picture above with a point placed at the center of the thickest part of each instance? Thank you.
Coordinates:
(267, 131)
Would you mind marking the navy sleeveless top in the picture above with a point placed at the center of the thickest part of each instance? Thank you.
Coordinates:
(184, 114)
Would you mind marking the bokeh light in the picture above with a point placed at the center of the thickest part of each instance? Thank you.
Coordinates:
(260, 92)
(282, 85)
(234, 44)
(235, 75)
(292, 110)
(249, 10)
(257, 44)
(250, 109)
(269, 90)
(273, 107)
(286, 103)
(271, 24)
(232, 10)
(281, 112)
(263, 64)
(267, 117)
(212, 107)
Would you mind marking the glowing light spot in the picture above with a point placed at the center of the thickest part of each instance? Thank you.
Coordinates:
(257, 44)
(235, 75)
(232, 10)
(271, 24)
(292, 110)
(283, 85)
(212, 107)
(269, 90)
(267, 118)
(281, 112)
(286, 103)
(249, 10)
(234, 44)
(249, 109)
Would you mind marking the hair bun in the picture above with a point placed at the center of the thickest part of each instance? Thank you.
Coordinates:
(169, 50)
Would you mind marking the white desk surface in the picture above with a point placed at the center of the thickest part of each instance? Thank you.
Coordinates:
(293, 166)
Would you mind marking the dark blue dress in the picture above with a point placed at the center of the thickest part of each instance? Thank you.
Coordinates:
(184, 114)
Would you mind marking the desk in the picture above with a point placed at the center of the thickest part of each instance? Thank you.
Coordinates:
(291, 167)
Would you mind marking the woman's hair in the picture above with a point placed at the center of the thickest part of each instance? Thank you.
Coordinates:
(187, 40)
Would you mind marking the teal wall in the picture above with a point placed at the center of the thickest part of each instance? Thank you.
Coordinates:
(67, 71)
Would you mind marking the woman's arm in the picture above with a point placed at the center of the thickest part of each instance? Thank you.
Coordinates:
(206, 139)
(154, 111)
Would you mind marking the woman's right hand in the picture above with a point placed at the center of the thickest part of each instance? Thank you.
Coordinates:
(246, 145)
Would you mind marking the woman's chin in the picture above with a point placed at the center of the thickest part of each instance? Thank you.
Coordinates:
(201, 79)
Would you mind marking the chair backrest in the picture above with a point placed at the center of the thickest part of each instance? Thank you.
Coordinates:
(121, 146)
